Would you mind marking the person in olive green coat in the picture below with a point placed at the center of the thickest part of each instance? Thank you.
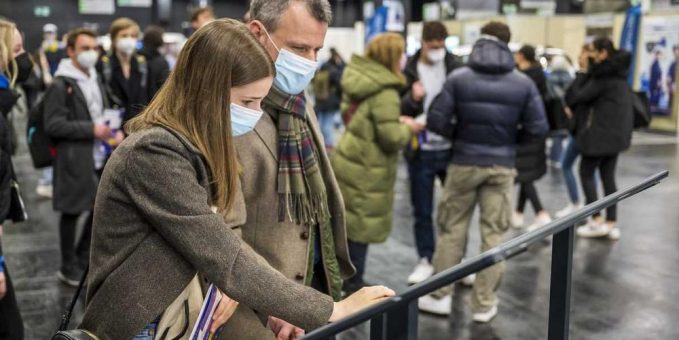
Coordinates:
(366, 157)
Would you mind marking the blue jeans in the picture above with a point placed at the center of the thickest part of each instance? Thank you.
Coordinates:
(148, 333)
(556, 152)
(423, 171)
(570, 155)
(326, 119)
(46, 177)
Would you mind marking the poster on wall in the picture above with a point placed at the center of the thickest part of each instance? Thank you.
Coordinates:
(658, 55)
(103, 7)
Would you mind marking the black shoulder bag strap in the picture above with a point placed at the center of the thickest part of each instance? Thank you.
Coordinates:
(66, 317)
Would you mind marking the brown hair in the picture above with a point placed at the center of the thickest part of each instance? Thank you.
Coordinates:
(387, 49)
(200, 11)
(196, 103)
(119, 25)
(7, 63)
(499, 30)
(74, 34)
(433, 31)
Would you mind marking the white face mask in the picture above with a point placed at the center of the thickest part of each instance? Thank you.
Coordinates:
(126, 45)
(436, 55)
(87, 59)
(243, 120)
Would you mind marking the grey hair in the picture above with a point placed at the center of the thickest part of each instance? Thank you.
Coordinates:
(268, 12)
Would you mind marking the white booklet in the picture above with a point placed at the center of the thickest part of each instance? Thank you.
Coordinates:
(201, 330)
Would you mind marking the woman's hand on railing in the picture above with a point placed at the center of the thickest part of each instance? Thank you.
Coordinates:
(363, 298)
(284, 330)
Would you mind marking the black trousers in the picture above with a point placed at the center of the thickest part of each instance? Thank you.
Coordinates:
(11, 324)
(527, 192)
(71, 252)
(606, 166)
(358, 252)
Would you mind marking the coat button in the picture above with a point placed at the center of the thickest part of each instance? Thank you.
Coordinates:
(299, 276)
(304, 235)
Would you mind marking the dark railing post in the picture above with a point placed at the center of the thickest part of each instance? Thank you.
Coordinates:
(560, 286)
(399, 323)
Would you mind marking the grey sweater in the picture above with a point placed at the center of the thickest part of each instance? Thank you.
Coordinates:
(154, 229)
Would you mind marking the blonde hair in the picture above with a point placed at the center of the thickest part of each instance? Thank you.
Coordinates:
(7, 64)
(121, 24)
(387, 49)
(195, 100)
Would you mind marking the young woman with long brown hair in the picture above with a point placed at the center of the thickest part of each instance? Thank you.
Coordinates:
(155, 227)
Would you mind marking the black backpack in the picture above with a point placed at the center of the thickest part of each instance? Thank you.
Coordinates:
(40, 145)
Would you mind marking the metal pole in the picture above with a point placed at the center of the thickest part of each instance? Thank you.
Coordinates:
(398, 324)
(560, 287)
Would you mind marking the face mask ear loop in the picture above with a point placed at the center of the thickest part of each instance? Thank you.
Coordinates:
(271, 40)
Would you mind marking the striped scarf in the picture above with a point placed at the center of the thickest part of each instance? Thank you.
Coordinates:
(301, 191)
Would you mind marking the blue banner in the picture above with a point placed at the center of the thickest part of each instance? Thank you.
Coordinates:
(377, 23)
(630, 37)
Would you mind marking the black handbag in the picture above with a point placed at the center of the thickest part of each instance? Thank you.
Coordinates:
(73, 334)
(17, 208)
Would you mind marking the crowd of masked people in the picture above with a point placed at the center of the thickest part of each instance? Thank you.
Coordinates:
(220, 171)
(482, 129)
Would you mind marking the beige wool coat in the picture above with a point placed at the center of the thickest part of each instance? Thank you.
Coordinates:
(285, 245)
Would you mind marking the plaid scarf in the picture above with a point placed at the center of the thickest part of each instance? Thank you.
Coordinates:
(301, 191)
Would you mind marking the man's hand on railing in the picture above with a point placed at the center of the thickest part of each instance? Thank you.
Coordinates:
(284, 330)
(363, 298)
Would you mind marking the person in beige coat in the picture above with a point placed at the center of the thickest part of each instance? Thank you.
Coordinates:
(170, 204)
(295, 218)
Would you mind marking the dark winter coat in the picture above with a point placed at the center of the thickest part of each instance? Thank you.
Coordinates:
(537, 75)
(482, 106)
(158, 71)
(7, 100)
(531, 159)
(409, 106)
(129, 94)
(607, 121)
(332, 103)
(72, 132)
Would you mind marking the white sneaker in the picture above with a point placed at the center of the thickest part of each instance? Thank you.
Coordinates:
(468, 280)
(540, 221)
(614, 234)
(422, 271)
(594, 229)
(485, 316)
(44, 191)
(517, 220)
(570, 208)
(430, 304)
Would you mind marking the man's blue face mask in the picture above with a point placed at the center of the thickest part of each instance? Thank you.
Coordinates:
(293, 73)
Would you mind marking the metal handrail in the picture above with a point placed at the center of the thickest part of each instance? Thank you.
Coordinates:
(500, 253)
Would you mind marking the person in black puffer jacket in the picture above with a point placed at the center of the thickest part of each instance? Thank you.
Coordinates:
(531, 159)
(482, 109)
(605, 130)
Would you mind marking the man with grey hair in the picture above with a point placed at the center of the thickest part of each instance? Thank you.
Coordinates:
(295, 210)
